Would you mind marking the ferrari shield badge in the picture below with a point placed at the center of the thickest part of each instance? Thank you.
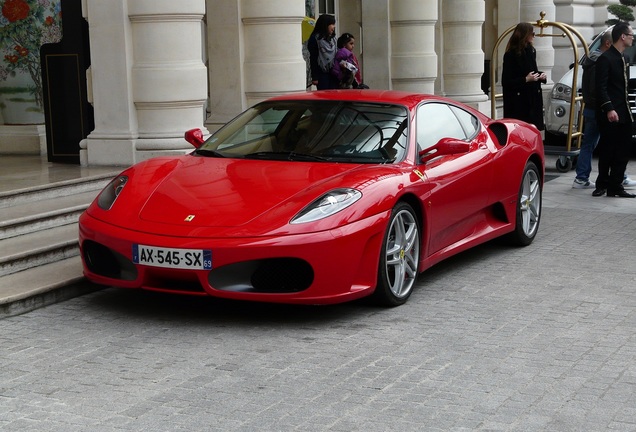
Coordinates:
(190, 218)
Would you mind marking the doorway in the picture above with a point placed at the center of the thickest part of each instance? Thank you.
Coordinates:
(68, 115)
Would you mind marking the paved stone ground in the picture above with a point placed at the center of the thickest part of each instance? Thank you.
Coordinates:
(496, 339)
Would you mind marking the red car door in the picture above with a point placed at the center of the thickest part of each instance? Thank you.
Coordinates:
(459, 183)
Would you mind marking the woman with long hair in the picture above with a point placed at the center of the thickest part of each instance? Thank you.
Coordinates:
(322, 50)
(521, 80)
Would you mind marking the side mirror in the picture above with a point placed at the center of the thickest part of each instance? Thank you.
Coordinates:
(445, 146)
(194, 137)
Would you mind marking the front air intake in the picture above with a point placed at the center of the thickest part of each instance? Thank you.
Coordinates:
(107, 263)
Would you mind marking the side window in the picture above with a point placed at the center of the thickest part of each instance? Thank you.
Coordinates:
(434, 122)
(596, 43)
(469, 122)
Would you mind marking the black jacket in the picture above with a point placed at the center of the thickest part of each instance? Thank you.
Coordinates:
(612, 76)
(522, 100)
(588, 82)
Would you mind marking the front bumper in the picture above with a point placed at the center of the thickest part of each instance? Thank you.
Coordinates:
(314, 268)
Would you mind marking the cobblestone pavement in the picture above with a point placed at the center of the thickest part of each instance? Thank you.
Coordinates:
(498, 339)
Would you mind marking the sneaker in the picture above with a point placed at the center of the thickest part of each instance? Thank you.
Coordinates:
(584, 184)
(628, 183)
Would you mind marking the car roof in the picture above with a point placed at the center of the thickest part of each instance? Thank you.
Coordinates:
(408, 99)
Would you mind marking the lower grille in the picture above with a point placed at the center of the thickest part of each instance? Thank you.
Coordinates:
(273, 275)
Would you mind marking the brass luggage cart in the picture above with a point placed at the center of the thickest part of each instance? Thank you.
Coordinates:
(574, 134)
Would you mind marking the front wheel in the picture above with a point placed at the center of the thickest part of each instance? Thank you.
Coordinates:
(399, 257)
(528, 207)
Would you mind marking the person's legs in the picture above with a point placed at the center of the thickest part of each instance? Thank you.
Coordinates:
(619, 157)
(604, 158)
(324, 82)
(588, 144)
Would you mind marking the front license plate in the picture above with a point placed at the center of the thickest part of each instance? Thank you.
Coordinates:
(192, 259)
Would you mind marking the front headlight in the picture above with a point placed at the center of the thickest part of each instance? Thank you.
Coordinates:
(110, 193)
(330, 203)
(562, 92)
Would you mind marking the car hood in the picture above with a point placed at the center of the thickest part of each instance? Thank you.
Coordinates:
(212, 192)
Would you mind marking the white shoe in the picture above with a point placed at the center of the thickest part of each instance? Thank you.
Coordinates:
(628, 183)
(584, 184)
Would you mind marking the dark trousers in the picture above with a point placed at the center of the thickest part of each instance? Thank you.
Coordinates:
(613, 154)
(326, 81)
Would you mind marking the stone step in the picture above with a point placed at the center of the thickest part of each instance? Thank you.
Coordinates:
(38, 248)
(40, 286)
(48, 213)
(55, 190)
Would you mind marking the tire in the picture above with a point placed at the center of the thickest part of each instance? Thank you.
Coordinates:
(564, 164)
(528, 207)
(399, 258)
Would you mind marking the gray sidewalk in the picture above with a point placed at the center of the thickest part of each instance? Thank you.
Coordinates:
(558, 192)
(497, 338)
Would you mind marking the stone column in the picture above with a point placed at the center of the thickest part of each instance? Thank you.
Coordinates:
(375, 43)
(413, 58)
(273, 63)
(112, 142)
(149, 83)
(463, 57)
(507, 16)
(225, 62)
(169, 78)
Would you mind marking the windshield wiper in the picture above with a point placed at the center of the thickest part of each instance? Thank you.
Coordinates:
(377, 156)
(213, 153)
(290, 155)
(267, 155)
(307, 157)
(363, 159)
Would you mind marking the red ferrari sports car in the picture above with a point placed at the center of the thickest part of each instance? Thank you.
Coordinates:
(319, 197)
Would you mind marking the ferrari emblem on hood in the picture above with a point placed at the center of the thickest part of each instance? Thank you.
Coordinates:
(190, 218)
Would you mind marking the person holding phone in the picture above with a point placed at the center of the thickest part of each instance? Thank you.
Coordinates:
(521, 80)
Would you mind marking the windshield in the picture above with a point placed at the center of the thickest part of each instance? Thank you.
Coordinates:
(334, 131)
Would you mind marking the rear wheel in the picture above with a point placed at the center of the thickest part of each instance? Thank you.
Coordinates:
(528, 207)
(399, 257)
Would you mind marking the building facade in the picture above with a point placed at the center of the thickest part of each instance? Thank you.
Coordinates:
(160, 67)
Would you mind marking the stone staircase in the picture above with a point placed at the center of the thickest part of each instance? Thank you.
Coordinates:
(39, 251)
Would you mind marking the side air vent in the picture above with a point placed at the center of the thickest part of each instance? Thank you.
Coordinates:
(499, 132)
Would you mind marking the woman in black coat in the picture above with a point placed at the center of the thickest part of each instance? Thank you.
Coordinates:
(521, 80)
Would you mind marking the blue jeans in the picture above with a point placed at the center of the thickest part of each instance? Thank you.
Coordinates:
(589, 141)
